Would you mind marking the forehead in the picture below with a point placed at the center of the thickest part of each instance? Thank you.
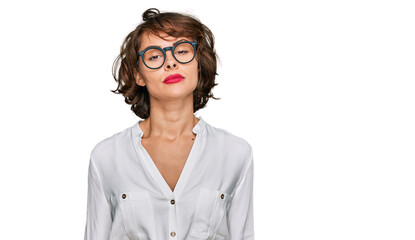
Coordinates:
(150, 39)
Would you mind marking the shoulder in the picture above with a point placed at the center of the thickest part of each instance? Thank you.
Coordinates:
(230, 141)
(112, 144)
(232, 152)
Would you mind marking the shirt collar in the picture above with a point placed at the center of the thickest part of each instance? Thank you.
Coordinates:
(198, 128)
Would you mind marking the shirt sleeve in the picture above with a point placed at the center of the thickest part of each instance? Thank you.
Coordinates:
(98, 217)
(241, 214)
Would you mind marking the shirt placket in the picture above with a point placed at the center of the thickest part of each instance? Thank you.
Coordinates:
(172, 217)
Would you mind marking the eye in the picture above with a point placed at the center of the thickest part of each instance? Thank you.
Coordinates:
(181, 52)
(155, 57)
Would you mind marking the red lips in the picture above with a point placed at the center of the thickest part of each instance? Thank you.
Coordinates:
(173, 78)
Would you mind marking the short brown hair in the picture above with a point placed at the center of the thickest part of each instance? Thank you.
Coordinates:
(175, 25)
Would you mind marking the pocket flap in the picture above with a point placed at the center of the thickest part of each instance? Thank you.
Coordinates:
(124, 196)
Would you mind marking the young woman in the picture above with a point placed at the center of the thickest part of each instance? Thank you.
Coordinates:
(171, 175)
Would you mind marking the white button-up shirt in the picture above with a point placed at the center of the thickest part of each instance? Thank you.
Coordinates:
(128, 197)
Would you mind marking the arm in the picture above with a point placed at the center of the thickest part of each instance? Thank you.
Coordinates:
(241, 214)
(98, 220)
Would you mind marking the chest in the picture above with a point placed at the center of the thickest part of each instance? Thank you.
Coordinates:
(169, 157)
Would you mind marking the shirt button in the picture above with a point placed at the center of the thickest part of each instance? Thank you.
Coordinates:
(124, 196)
(172, 201)
(172, 234)
(222, 196)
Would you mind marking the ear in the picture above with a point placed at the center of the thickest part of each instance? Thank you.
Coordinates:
(139, 79)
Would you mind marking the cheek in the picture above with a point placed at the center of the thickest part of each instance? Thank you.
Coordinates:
(143, 69)
(150, 75)
(195, 66)
(194, 73)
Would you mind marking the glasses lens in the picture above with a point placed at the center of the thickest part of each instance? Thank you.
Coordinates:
(184, 52)
(153, 58)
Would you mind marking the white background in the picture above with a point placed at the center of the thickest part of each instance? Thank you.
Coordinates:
(323, 91)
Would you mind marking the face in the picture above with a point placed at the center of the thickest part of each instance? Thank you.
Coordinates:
(153, 78)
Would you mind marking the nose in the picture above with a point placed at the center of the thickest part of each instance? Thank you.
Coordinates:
(171, 63)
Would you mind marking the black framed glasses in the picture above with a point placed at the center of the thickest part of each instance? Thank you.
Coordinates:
(154, 57)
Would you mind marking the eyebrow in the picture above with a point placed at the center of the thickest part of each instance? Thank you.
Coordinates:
(181, 40)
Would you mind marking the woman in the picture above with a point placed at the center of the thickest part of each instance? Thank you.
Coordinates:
(171, 175)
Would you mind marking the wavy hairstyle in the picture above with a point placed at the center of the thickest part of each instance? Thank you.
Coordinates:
(175, 25)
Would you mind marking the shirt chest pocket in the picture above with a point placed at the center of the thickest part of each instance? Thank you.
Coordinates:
(211, 208)
(137, 215)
